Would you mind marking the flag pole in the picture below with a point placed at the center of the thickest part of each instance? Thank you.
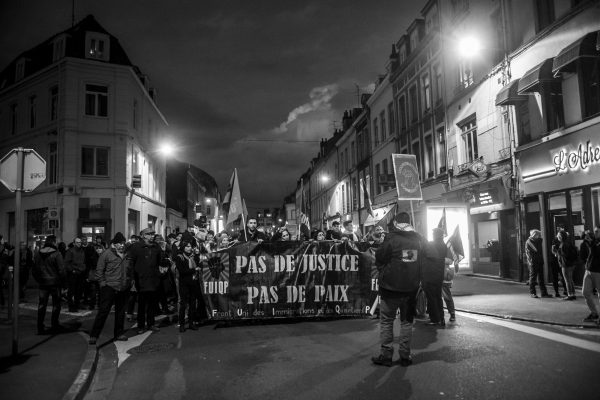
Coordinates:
(412, 214)
(244, 226)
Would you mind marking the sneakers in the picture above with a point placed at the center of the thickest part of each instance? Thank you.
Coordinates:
(121, 338)
(92, 340)
(405, 362)
(382, 360)
(591, 318)
(534, 296)
(452, 318)
(569, 298)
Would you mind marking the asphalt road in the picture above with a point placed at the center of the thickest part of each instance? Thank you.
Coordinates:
(475, 358)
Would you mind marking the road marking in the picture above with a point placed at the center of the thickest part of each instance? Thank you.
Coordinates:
(557, 337)
(124, 347)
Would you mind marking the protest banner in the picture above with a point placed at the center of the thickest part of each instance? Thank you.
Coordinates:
(289, 279)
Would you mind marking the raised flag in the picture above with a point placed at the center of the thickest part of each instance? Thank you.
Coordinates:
(304, 220)
(367, 198)
(454, 244)
(442, 224)
(236, 207)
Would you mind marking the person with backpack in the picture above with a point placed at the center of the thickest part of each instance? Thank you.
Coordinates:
(566, 253)
(398, 261)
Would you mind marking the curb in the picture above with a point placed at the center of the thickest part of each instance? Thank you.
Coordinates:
(522, 319)
(83, 380)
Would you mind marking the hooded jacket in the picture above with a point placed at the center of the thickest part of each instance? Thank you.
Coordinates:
(48, 268)
(398, 260)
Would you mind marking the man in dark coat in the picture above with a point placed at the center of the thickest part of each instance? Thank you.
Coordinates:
(145, 257)
(535, 261)
(398, 261)
(434, 264)
(251, 234)
(49, 272)
(335, 233)
(76, 273)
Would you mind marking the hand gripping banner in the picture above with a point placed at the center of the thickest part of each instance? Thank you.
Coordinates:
(289, 279)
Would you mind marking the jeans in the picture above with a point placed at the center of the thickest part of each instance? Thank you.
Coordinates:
(568, 274)
(45, 293)
(406, 302)
(447, 295)
(591, 280)
(108, 297)
(435, 307)
(536, 272)
(188, 296)
(146, 307)
(557, 276)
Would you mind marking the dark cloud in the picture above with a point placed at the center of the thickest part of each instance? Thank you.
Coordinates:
(228, 72)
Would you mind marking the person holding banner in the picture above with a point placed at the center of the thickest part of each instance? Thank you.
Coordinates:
(398, 261)
(251, 233)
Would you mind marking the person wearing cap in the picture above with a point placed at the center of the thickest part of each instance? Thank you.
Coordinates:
(114, 276)
(145, 258)
(398, 262)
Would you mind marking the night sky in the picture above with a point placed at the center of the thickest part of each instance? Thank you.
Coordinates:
(250, 84)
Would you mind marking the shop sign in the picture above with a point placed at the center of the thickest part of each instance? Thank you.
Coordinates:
(487, 197)
(584, 156)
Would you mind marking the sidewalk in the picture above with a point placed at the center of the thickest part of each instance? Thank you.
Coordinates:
(509, 299)
(61, 366)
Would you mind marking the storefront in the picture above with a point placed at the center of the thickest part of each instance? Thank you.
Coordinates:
(561, 185)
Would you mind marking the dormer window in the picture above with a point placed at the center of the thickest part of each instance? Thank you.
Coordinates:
(20, 69)
(97, 46)
(58, 48)
(402, 54)
(414, 40)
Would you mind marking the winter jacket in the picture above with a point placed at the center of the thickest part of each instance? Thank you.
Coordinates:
(114, 270)
(186, 268)
(251, 236)
(594, 257)
(434, 262)
(75, 260)
(48, 268)
(566, 253)
(145, 260)
(533, 251)
(398, 260)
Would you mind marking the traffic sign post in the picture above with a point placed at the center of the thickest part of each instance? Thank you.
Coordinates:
(21, 170)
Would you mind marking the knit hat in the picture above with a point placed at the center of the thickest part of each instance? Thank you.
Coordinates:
(119, 238)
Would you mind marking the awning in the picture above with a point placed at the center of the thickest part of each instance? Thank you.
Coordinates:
(382, 216)
(508, 94)
(586, 47)
(531, 80)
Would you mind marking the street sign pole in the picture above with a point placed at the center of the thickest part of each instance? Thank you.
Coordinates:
(17, 259)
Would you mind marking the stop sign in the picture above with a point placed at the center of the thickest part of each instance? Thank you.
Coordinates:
(34, 170)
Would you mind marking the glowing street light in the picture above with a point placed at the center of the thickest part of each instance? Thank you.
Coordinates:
(166, 149)
(469, 47)
(324, 178)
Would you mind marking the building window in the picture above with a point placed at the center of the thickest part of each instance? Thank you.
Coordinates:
(416, 150)
(354, 195)
(382, 125)
(52, 163)
(58, 49)
(375, 132)
(20, 70)
(414, 108)
(97, 46)
(426, 92)
(459, 7)
(414, 40)
(384, 167)
(544, 14)
(402, 54)
(469, 136)
(465, 73)
(402, 113)
(94, 161)
(429, 156)
(438, 84)
(135, 114)
(353, 151)
(53, 103)
(96, 100)
(590, 73)
(523, 124)
(392, 120)
(135, 163)
(14, 110)
(441, 140)
(32, 111)
(378, 178)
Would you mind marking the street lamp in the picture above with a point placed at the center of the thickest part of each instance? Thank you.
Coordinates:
(166, 149)
(468, 47)
(324, 178)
